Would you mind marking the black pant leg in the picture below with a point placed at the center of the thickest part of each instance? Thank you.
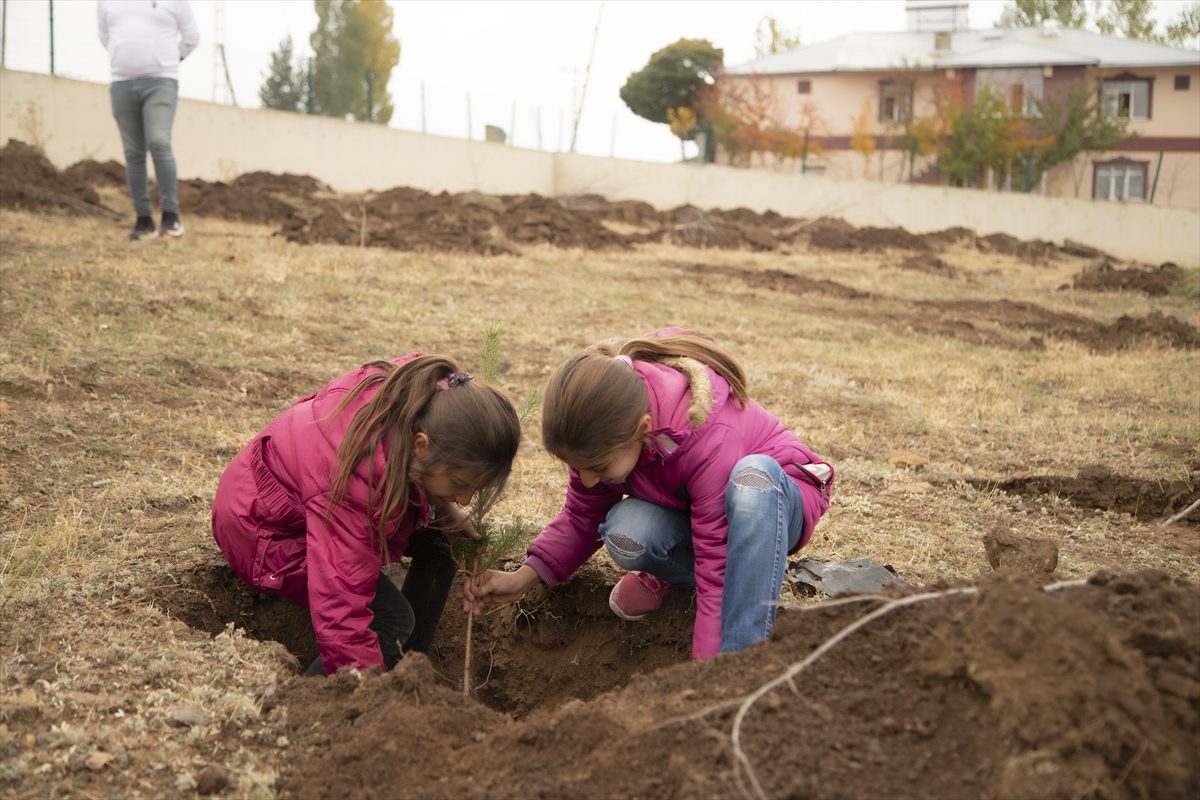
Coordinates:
(392, 623)
(427, 584)
(394, 620)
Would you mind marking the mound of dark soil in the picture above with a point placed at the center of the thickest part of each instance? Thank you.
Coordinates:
(1101, 337)
(29, 181)
(629, 212)
(402, 218)
(927, 262)
(847, 238)
(285, 183)
(950, 236)
(1104, 277)
(96, 173)
(1097, 486)
(1035, 252)
(689, 226)
(1009, 692)
(773, 279)
(225, 201)
(533, 219)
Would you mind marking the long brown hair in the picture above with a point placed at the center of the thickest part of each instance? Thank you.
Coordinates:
(471, 427)
(593, 402)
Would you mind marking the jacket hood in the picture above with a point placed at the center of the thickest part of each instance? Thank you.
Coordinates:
(674, 406)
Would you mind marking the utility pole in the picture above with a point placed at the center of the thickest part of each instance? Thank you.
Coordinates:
(228, 82)
(218, 41)
(422, 106)
(3, 30)
(51, 37)
(586, 73)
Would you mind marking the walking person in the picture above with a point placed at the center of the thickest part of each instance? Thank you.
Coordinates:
(681, 477)
(146, 40)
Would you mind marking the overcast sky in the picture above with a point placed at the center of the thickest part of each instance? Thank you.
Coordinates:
(529, 54)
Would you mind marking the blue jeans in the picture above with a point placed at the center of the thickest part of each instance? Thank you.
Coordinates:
(766, 517)
(145, 109)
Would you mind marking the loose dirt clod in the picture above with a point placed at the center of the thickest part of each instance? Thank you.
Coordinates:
(1104, 277)
(1008, 550)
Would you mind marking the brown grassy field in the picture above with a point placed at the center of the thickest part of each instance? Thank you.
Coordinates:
(131, 373)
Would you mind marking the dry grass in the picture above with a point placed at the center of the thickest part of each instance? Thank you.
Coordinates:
(131, 374)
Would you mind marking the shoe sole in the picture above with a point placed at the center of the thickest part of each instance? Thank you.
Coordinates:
(144, 237)
(173, 234)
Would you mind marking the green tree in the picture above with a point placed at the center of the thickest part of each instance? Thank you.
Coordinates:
(1069, 123)
(1185, 28)
(671, 79)
(1034, 13)
(285, 86)
(1129, 18)
(353, 38)
(979, 137)
(770, 38)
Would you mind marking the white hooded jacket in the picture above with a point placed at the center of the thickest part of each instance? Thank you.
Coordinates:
(146, 38)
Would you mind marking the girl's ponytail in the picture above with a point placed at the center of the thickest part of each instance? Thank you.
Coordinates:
(689, 344)
(594, 402)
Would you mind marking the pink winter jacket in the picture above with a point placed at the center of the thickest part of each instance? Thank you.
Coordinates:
(270, 519)
(685, 467)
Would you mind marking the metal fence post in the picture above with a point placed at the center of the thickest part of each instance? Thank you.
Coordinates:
(309, 104)
(1157, 168)
(370, 95)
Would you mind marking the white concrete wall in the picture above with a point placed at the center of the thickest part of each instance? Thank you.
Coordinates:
(71, 120)
(1128, 230)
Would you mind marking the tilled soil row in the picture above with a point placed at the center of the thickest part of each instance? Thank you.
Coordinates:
(402, 218)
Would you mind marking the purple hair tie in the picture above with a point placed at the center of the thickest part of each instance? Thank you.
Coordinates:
(627, 361)
(457, 378)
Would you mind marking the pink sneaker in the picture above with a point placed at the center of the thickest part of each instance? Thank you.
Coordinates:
(637, 594)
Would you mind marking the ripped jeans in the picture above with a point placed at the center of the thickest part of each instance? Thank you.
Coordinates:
(766, 517)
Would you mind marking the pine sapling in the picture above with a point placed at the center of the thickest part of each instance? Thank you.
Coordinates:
(497, 539)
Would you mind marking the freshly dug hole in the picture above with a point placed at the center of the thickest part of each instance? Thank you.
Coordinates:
(561, 644)
(1013, 692)
(555, 645)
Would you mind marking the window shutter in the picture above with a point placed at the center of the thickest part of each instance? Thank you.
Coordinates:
(1141, 99)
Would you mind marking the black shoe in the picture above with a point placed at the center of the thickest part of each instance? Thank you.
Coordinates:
(143, 229)
(171, 226)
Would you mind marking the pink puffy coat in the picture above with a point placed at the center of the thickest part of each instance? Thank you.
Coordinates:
(272, 520)
(685, 468)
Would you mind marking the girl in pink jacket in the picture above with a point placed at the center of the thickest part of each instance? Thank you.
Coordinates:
(374, 466)
(684, 479)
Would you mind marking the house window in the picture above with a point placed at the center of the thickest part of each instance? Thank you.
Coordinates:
(895, 101)
(1120, 180)
(1183, 83)
(1020, 87)
(803, 87)
(1128, 98)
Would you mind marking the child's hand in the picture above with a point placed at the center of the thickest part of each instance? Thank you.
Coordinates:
(493, 588)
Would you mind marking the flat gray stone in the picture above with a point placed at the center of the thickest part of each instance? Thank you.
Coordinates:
(841, 578)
